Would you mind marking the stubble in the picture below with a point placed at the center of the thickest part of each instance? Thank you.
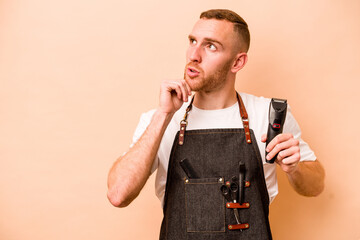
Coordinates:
(214, 81)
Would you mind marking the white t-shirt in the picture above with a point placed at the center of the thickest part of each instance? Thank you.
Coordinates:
(257, 109)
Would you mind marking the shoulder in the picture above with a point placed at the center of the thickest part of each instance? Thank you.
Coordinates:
(252, 101)
(257, 109)
(146, 116)
(144, 122)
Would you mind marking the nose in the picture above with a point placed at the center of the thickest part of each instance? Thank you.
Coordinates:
(194, 54)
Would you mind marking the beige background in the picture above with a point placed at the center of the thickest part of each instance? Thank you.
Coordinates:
(76, 75)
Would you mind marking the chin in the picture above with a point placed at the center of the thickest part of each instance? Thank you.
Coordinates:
(194, 84)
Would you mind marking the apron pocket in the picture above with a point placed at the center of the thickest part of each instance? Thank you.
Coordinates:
(205, 205)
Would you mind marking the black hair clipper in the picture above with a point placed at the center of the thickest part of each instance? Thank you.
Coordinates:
(277, 114)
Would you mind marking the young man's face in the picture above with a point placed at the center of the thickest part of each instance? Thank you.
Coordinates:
(210, 55)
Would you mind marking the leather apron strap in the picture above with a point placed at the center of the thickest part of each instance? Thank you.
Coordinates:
(243, 114)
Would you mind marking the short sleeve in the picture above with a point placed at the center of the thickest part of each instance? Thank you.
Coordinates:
(291, 126)
(144, 122)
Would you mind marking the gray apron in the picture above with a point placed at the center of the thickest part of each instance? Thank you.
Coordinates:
(195, 208)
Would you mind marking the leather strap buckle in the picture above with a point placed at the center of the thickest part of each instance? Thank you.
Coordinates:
(237, 205)
(182, 132)
(238, 226)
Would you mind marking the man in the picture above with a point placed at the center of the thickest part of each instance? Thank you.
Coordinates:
(218, 146)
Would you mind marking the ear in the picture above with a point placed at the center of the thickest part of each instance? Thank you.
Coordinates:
(240, 61)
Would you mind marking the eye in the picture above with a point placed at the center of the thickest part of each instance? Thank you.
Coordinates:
(192, 41)
(212, 47)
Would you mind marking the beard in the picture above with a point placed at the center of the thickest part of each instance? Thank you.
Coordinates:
(213, 81)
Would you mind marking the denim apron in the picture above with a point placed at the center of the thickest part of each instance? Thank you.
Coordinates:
(195, 208)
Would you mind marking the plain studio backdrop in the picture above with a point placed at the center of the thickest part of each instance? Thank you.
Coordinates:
(76, 75)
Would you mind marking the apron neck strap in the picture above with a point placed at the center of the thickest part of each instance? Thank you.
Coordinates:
(244, 118)
(243, 114)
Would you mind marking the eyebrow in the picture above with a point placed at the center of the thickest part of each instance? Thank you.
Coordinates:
(208, 40)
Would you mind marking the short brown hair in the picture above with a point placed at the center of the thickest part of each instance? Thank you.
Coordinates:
(240, 26)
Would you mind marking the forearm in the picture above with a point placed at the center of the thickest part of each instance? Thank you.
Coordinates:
(308, 178)
(130, 172)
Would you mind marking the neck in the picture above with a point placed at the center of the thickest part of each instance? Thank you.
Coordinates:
(215, 100)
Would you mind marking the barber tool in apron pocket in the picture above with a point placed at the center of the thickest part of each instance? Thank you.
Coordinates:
(215, 185)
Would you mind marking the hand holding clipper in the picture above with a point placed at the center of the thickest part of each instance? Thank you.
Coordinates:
(277, 114)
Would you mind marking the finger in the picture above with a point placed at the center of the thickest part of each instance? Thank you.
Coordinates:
(187, 87)
(288, 168)
(174, 86)
(282, 146)
(289, 156)
(184, 90)
(278, 139)
(263, 137)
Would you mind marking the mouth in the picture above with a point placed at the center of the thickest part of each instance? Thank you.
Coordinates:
(192, 72)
